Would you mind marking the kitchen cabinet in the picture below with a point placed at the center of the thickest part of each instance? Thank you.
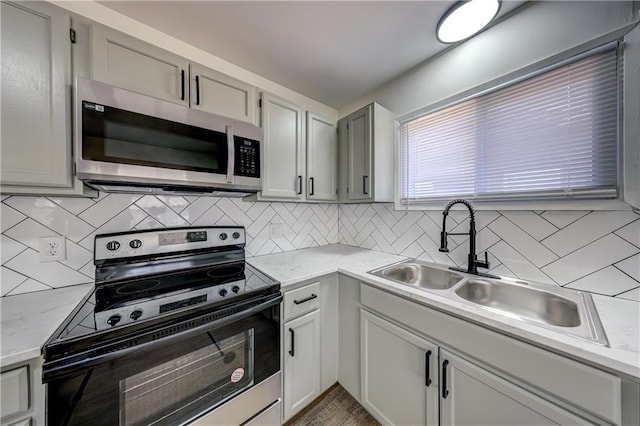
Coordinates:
(471, 395)
(492, 369)
(349, 335)
(129, 63)
(366, 139)
(35, 101)
(309, 342)
(399, 373)
(22, 394)
(300, 156)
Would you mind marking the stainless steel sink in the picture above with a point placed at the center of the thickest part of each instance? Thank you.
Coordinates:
(419, 275)
(535, 305)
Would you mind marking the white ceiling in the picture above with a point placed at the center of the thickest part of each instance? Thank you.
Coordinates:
(331, 51)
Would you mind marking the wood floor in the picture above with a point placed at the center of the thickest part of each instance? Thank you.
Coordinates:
(335, 407)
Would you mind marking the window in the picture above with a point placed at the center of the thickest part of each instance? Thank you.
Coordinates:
(551, 136)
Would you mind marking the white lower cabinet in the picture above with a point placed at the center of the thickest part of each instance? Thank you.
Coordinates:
(399, 377)
(471, 395)
(22, 394)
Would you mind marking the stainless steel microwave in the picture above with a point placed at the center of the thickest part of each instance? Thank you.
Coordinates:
(128, 142)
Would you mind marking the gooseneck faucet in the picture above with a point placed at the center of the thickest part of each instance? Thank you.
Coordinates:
(473, 262)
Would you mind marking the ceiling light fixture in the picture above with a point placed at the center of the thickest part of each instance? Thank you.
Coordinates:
(465, 19)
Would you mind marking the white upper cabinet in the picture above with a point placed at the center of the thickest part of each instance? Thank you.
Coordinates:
(35, 98)
(217, 93)
(322, 157)
(283, 157)
(133, 64)
(366, 145)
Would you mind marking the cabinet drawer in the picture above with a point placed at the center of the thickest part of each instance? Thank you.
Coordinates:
(15, 392)
(301, 300)
(588, 388)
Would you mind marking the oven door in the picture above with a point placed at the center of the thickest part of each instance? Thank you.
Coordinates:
(173, 379)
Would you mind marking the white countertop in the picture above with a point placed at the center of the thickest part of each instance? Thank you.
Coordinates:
(620, 318)
(28, 320)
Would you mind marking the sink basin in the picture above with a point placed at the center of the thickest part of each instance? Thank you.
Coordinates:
(524, 302)
(420, 275)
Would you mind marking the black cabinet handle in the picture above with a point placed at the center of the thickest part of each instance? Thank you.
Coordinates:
(427, 359)
(311, 190)
(299, 185)
(364, 185)
(445, 391)
(298, 302)
(197, 90)
(293, 341)
(182, 84)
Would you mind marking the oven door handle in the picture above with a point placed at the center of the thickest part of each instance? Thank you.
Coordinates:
(60, 368)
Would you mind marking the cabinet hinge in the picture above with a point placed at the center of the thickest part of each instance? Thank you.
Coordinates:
(72, 35)
(259, 103)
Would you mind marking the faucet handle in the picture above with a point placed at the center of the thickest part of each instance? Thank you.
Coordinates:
(484, 264)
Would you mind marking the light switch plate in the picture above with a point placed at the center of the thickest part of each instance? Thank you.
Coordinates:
(53, 249)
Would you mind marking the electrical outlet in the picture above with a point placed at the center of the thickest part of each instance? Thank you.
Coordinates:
(275, 230)
(52, 249)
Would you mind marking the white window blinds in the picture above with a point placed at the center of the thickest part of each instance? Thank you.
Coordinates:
(551, 136)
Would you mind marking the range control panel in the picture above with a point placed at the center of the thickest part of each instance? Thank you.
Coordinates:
(247, 157)
(133, 244)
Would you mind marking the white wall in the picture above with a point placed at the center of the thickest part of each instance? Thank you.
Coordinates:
(533, 33)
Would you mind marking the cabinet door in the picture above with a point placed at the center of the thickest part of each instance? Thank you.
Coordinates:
(399, 373)
(132, 64)
(472, 395)
(283, 160)
(36, 75)
(217, 93)
(360, 145)
(321, 158)
(301, 341)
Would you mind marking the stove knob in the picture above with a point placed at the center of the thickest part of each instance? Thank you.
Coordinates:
(236, 235)
(114, 319)
(135, 314)
(135, 244)
(223, 236)
(113, 245)
(235, 289)
(223, 292)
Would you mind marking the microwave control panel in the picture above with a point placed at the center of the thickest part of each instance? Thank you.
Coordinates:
(247, 157)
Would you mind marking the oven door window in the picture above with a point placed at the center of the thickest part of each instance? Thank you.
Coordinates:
(118, 136)
(216, 372)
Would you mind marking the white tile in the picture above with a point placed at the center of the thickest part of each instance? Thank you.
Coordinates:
(176, 203)
(631, 294)
(525, 244)
(631, 233)
(608, 281)
(149, 223)
(77, 256)
(53, 274)
(261, 221)
(29, 286)
(124, 221)
(197, 208)
(159, 211)
(75, 205)
(517, 263)
(29, 232)
(587, 229)
(405, 240)
(10, 248)
(4, 197)
(89, 270)
(562, 218)
(431, 249)
(531, 223)
(107, 208)
(10, 279)
(52, 216)
(593, 257)
(414, 250)
(502, 271)
(630, 266)
(9, 217)
(209, 217)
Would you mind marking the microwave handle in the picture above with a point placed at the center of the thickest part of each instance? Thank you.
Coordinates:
(231, 158)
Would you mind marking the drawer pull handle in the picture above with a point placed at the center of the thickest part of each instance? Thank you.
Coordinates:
(197, 90)
(298, 302)
(445, 391)
(299, 185)
(293, 341)
(182, 84)
(427, 359)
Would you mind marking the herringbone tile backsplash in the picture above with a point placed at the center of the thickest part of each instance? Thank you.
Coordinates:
(593, 251)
